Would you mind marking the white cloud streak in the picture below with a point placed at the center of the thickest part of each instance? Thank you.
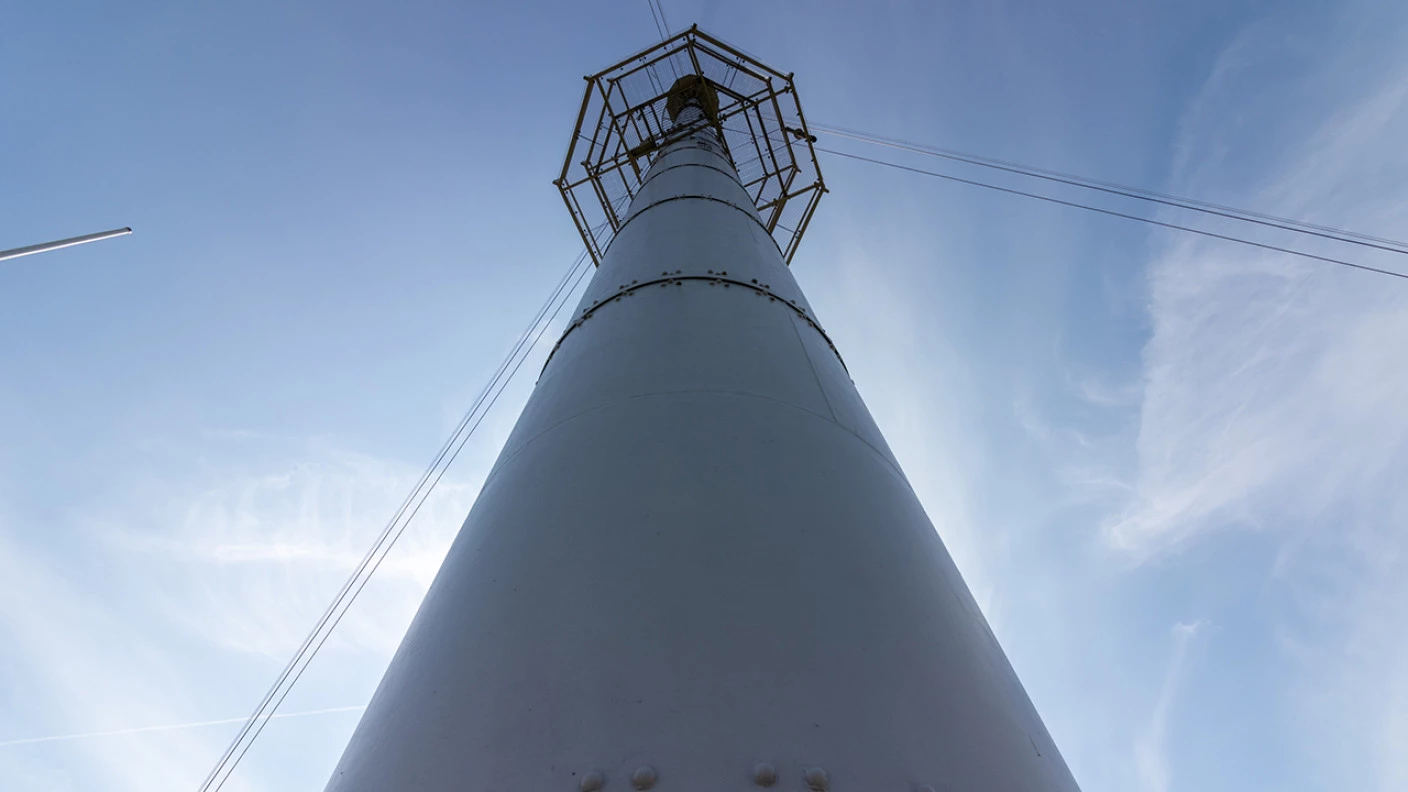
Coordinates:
(172, 726)
(264, 553)
(82, 664)
(1151, 748)
(1264, 376)
(1274, 391)
(222, 568)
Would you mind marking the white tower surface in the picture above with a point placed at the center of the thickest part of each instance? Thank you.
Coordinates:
(696, 564)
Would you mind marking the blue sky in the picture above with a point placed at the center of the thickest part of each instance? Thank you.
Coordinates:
(1170, 469)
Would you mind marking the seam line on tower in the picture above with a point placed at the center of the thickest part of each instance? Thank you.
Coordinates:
(648, 207)
(660, 173)
(883, 456)
(811, 366)
(628, 290)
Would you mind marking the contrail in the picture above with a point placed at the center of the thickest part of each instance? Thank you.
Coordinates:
(172, 726)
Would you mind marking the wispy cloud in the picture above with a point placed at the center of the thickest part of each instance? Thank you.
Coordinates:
(82, 665)
(253, 557)
(212, 575)
(1151, 757)
(173, 726)
(1273, 390)
(1266, 377)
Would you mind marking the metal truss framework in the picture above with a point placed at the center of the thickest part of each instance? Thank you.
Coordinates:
(624, 122)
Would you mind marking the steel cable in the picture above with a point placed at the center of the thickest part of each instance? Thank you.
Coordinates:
(653, 18)
(1232, 213)
(1113, 213)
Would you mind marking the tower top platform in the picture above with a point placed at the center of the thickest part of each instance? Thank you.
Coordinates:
(631, 111)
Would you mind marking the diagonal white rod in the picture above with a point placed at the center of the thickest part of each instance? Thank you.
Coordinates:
(44, 247)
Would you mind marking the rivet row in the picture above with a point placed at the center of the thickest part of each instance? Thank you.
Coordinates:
(764, 775)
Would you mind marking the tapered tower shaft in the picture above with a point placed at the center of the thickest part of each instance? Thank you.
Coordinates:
(697, 554)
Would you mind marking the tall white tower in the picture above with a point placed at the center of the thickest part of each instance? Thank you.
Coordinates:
(696, 565)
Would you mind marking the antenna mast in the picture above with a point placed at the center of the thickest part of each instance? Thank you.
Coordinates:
(44, 247)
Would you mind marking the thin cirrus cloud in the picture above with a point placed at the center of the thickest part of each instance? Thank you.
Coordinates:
(1151, 755)
(215, 580)
(1273, 391)
(174, 726)
(1266, 379)
(82, 665)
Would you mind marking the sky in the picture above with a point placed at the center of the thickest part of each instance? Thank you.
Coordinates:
(1170, 468)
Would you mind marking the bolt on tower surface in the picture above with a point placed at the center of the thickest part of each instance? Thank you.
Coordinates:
(696, 564)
